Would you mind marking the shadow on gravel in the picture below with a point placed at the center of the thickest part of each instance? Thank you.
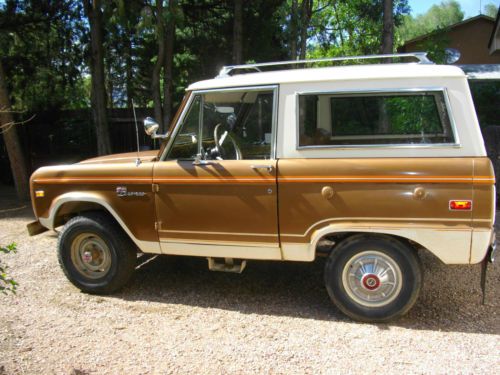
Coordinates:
(450, 299)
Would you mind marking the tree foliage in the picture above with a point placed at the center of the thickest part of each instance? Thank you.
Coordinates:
(491, 10)
(343, 28)
(152, 49)
(437, 17)
(47, 43)
(41, 44)
(7, 283)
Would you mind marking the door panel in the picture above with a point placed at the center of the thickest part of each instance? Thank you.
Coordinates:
(224, 202)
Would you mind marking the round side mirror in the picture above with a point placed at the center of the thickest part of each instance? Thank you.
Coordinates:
(150, 126)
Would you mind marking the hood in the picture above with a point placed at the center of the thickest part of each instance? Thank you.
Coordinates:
(127, 157)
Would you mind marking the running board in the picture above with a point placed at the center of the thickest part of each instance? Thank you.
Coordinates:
(228, 265)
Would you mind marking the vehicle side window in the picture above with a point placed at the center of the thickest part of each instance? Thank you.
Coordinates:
(185, 146)
(247, 117)
(374, 119)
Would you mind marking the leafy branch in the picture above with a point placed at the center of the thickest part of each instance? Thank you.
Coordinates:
(6, 127)
(7, 284)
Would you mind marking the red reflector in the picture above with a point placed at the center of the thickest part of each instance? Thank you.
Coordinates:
(461, 205)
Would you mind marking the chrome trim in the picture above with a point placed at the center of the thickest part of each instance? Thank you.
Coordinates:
(274, 129)
(407, 91)
(372, 265)
(262, 166)
(420, 56)
(219, 233)
(174, 132)
(383, 221)
(192, 97)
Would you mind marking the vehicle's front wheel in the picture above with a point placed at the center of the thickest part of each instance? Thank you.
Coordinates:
(95, 254)
(373, 278)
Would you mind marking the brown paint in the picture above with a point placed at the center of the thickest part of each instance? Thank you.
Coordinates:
(230, 202)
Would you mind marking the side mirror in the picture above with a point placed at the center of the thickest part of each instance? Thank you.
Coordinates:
(150, 126)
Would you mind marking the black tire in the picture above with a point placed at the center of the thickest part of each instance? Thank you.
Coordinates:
(348, 257)
(120, 253)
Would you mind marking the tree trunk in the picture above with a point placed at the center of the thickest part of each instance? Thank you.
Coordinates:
(155, 84)
(109, 84)
(341, 31)
(293, 30)
(388, 32)
(98, 97)
(386, 48)
(168, 66)
(238, 32)
(306, 14)
(12, 144)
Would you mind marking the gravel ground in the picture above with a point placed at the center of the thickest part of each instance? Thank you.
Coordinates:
(177, 317)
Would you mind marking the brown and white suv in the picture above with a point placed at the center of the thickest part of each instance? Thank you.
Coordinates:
(364, 164)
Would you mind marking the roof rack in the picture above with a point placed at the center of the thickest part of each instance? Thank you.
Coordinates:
(226, 70)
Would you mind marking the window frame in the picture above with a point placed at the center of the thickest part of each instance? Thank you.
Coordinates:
(381, 92)
(194, 93)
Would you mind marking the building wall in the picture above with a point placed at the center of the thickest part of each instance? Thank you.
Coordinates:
(470, 38)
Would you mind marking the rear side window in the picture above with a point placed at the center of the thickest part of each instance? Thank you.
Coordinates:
(399, 118)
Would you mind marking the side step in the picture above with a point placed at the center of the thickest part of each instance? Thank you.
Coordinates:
(228, 265)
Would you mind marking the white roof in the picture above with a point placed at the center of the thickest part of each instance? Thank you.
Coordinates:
(352, 72)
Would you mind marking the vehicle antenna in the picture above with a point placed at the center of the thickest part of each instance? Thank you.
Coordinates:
(138, 160)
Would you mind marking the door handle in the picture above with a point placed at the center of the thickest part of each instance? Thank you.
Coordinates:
(199, 160)
(262, 166)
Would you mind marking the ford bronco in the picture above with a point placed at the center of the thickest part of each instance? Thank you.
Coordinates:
(364, 164)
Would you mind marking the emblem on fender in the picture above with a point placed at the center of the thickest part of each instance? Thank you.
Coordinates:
(121, 191)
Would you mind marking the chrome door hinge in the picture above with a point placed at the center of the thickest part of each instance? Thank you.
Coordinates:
(156, 188)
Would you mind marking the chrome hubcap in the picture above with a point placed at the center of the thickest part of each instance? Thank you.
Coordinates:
(372, 279)
(90, 255)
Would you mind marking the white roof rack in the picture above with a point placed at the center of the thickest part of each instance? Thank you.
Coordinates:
(226, 71)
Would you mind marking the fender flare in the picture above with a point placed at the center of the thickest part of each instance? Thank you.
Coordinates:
(450, 246)
(58, 202)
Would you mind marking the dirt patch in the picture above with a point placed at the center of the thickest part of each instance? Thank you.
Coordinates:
(177, 317)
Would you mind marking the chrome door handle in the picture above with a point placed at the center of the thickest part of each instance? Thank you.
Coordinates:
(262, 166)
(199, 160)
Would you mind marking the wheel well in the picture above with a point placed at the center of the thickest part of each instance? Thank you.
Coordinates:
(328, 242)
(69, 210)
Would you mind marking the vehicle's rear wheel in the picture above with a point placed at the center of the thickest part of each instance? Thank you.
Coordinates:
(373, 278)
(95, 254)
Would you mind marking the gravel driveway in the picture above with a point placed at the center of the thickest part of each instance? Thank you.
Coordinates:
(178, 317)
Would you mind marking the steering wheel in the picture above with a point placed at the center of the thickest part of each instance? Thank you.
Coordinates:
(220, 140)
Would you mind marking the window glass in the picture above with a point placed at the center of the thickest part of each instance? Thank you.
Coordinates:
(242, 120)
(185, 146)
(366, 119)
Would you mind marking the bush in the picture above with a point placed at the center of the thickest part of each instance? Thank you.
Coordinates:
(7, 284)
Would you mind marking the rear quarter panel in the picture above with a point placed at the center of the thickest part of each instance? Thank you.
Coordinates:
(379, 195)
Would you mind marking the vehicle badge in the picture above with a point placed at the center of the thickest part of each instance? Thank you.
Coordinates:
(121, 191)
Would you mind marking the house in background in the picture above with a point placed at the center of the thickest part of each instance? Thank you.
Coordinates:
(474, 46)
(465, 42)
